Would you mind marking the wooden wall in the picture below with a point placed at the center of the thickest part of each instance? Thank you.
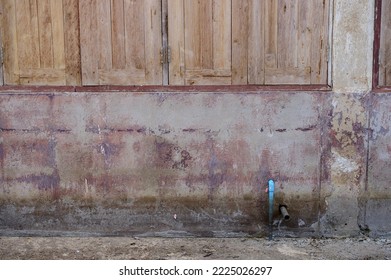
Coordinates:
(212, 42)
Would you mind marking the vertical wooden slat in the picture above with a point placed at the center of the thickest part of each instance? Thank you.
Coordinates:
(45, 33)
(57, 14)
(35, 42)
(118, 34)
(176, 36)
(104, 34)
(319, 42)
(324, 52)
(26, 30)
(271, 20)
(287, 34)
(304, 33)
(8, 28)
(222, 34)
(72, 42)
(192, 34)
(164, 62)
(206, 33)
(88, 42)
(256, 71)
(134, 30)
(36, 48)
(239, 41)
(153, 41)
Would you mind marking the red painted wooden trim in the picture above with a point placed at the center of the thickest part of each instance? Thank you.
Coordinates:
(190, 89)
(376, 44)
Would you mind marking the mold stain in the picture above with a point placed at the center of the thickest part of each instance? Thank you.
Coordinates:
(171, 156)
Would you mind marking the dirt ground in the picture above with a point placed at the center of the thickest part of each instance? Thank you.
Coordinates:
(127, 248)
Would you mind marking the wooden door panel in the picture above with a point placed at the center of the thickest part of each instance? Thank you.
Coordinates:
(200, 40)
(249, 41)
(121, 42)
(35, 49)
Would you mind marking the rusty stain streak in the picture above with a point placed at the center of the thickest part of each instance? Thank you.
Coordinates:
(308, 128)
(42, 181)
(190, 130)
(35, 130)
(98, 130)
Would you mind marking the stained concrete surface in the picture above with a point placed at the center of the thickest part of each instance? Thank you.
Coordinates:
(128, 248)
(133, 161)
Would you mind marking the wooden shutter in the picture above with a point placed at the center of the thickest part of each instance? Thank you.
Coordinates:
(200, 39)
(385, 45)
(248, 41)
(38, 50)
(121, 42)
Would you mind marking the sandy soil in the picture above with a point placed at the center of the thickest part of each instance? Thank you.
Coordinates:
(125, 248)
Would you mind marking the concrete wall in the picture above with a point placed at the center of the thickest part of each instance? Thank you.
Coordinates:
(179, 163)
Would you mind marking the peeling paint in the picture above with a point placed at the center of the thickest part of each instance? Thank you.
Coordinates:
(343, 165)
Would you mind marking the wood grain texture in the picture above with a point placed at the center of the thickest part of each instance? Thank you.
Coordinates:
(319, 42)
(34, 43)
(72, 42)
(256, 46)
(11, 76)
(88, 42)
(240, 31)
(153, 42)
(118, 34)
(118, 42)
(176, 40)
(45, 32)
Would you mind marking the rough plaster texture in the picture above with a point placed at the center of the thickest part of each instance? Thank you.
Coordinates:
(352, 49)
(378, 188)
(155, 162)
(352, 46)
(187, 163)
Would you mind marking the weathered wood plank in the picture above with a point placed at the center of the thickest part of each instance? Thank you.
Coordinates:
(153, 42)
(88, 41)
(288, 76)
(287, 34)
(222, 34)
(192, 34)
(305, 29)
(72, 42)
(271, 26)
(256, 63)
(319, 42)
(240, 33)
(208, 77)
(57, 14)
(176, 39)
(35, 37)
(206, 33)
(27, 30)
(104, 34)
(118, 34)
(134, 34)
(42, 76)
(121, 77)
(45, 33)
(10, 45)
